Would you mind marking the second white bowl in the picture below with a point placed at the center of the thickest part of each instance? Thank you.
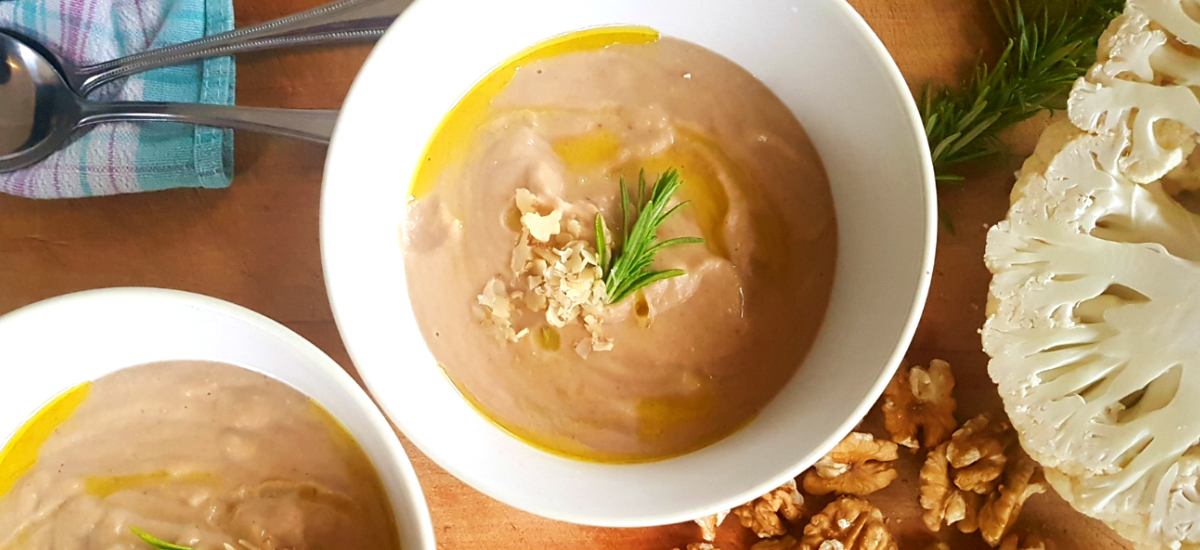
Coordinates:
(52, 346)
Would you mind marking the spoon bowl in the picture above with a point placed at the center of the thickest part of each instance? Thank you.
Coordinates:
(44, 110)
(40, 110)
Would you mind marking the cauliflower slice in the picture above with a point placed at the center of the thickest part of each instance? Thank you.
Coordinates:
(1092, 327)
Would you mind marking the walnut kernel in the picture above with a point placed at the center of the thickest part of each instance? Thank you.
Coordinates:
(957, 471)
(1003, 507)
(859, 465)
(708, 525)
(786, 542)
(942, 501)
(766, 515)
(848, 523)
(1032, 542)
(977, 451)
(920, 399)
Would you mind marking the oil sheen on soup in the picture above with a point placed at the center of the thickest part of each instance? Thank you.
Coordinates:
(204, 455)
(538, 149)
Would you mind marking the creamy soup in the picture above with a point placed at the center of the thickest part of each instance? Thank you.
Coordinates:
(679, 364)
(204, 455)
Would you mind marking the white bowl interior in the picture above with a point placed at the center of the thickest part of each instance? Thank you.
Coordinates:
(57, 344)
(826, 65)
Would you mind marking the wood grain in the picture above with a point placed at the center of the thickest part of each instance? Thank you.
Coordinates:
(256, 244)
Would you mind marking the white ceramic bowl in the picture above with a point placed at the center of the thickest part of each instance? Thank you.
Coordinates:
(59, 343)
(821, 59)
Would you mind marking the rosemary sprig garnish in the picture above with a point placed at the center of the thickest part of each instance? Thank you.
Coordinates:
(155, 542)
(1051, 43)
(626, 270)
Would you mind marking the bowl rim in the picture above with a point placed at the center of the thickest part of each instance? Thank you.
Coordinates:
(900, 90)
(316, 358)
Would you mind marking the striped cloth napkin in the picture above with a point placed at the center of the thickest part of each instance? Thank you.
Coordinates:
(128, 158)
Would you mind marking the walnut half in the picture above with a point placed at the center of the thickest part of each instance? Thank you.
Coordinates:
(958, 471)
(920, 399)
(700, 546)
(960, 477)
(848, 523)
(786, 542)
(942, 501)
(708, 525)
(766, 515)
(978, 452)
(1003, 507)
(1032, 542)
(859, 465)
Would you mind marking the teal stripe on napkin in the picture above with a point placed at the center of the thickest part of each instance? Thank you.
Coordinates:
(162, 166)
(124, 158)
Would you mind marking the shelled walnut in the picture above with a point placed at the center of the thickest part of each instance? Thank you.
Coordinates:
(958, 471)
(978, 480)
(859, 465)
(766, 515)
(1032, 542)
(786, 542)
(700, 546)
(920, 399)
(848, 523)
(708, 525)
(942, 501)
(978, 452)
(1003, 507)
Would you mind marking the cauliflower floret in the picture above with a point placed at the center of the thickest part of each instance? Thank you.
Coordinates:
(1170, 14)
(1144, 80)
(1164, 121)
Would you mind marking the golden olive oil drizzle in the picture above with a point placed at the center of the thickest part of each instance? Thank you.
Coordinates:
(555, 445)
(358, 460)
(656, 416)
(453, 136)
(20, 454)
(104, 486)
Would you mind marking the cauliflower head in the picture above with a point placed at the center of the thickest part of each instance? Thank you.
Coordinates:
(1094, 310)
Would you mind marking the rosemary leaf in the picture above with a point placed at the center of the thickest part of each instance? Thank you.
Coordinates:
(626, 270)
(601, 245)
(157, 543)
(1050, 44)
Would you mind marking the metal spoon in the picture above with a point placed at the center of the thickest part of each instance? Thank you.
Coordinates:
(342, 21)
(46, 110)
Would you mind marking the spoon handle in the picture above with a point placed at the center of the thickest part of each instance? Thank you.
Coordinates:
(306, 124)
(341, 21)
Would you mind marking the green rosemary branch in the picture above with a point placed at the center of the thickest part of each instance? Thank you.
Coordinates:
(626, 270)
(1051, 43)
(157, 543)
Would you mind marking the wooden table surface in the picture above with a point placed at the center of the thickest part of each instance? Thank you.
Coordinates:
(256, 244)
